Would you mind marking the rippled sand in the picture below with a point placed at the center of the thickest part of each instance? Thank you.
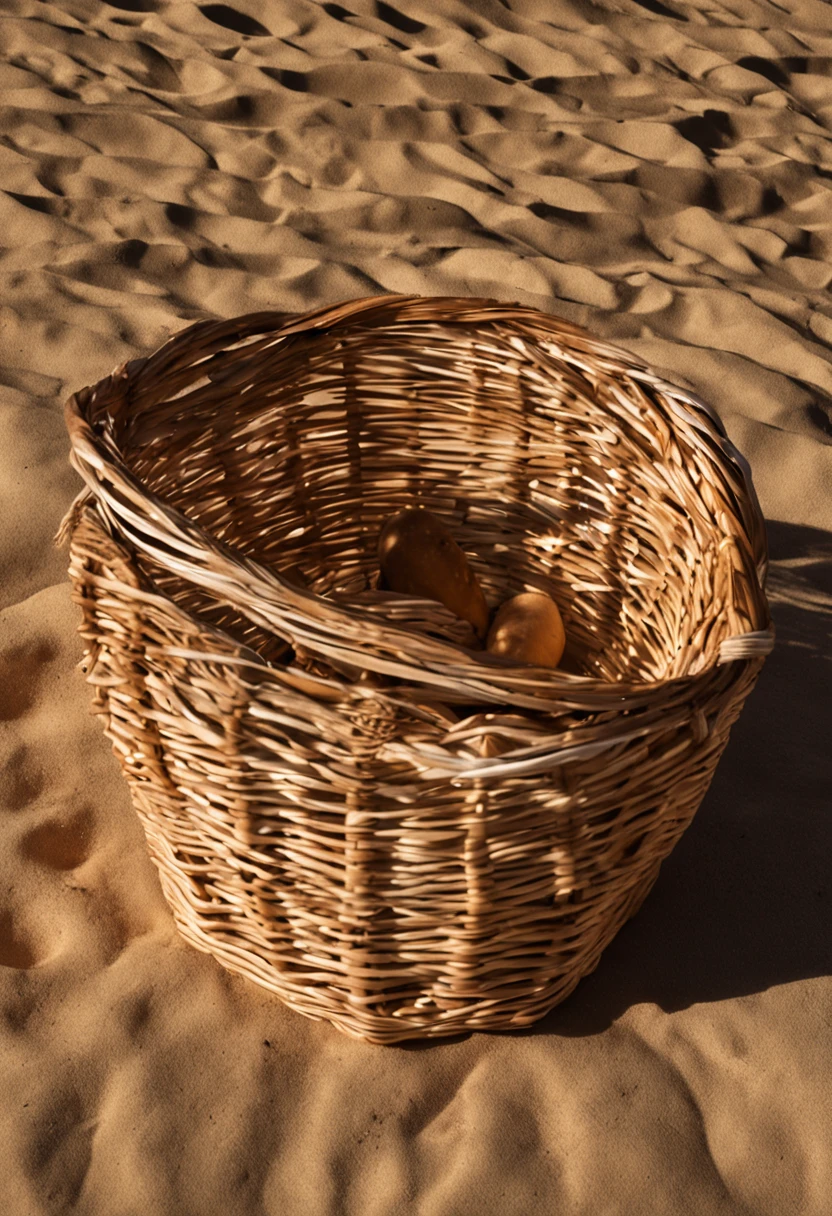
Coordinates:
(660, 173)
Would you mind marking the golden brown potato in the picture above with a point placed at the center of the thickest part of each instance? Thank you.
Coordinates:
(528, 628)
(419, 557)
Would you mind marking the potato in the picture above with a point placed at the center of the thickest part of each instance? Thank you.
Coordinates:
(528, 628)
(419, 557)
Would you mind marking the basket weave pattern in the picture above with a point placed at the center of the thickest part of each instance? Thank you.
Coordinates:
(345, 803)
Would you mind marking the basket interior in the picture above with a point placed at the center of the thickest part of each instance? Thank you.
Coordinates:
(551, 476)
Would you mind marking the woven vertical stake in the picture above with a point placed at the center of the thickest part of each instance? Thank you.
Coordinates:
(372, 724)
(467, 937)
(356, 903)
(311, 801)
(240, 809)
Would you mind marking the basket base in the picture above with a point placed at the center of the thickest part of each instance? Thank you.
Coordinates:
(359, 1021)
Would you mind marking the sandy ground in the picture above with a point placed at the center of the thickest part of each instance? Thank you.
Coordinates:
(659, 172)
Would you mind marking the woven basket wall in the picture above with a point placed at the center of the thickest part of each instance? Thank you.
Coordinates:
(344, 802)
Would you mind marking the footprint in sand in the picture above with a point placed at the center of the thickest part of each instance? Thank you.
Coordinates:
(61, 843)
(18, 948)
(22, 781)
(20, 672)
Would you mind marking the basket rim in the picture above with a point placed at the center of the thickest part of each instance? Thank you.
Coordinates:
(130, 510)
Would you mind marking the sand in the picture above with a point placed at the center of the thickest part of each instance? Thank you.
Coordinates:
(658, 172)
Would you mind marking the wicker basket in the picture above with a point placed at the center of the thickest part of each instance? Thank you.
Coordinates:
(347, 805)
